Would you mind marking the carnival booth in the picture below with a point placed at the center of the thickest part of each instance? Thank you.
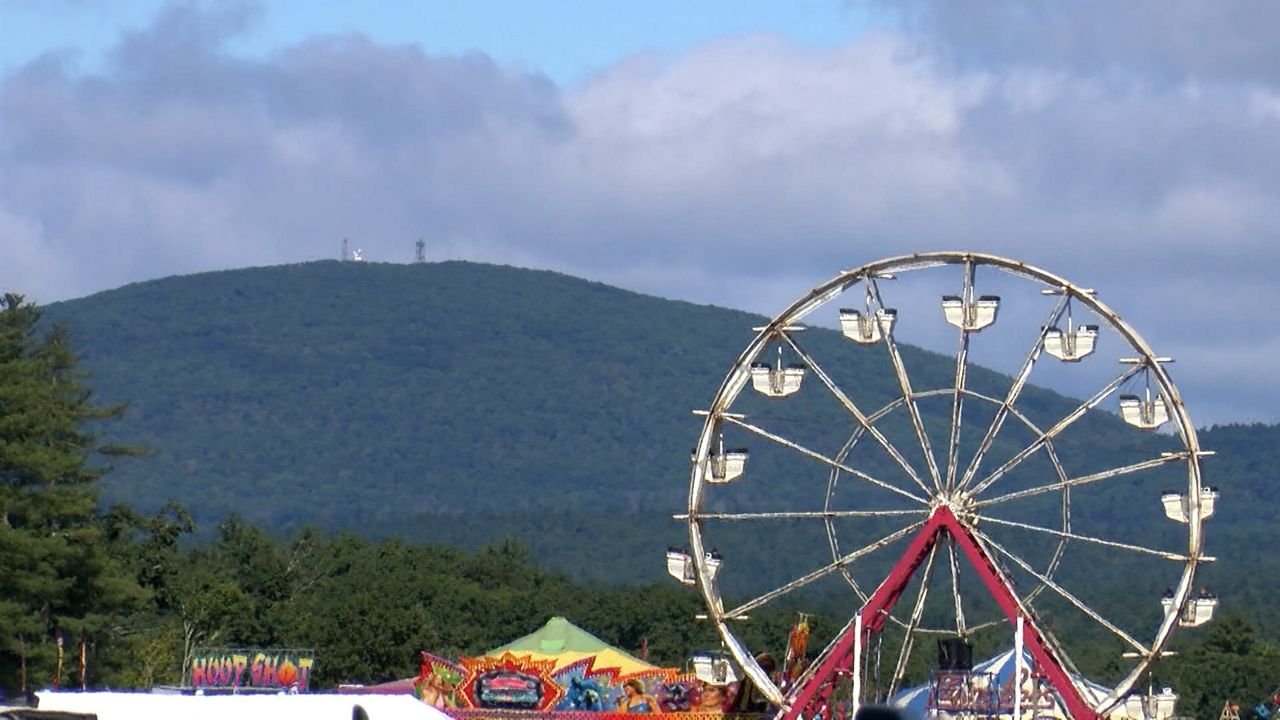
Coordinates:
(558, 668)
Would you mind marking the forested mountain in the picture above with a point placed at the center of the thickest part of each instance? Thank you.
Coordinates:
(138, 601)
(350, 394)
(462, 403)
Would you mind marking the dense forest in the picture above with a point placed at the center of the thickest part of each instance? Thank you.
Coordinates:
(459, 403)
(238, 479)
(143, 601)
(359, 395)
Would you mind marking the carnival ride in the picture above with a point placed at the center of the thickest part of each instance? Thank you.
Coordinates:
(955, 468)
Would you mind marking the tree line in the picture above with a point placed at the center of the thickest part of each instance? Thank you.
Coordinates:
(142, 597)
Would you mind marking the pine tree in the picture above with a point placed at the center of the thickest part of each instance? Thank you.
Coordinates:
(57, 581)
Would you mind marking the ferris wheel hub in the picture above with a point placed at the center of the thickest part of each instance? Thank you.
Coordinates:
(961, 504)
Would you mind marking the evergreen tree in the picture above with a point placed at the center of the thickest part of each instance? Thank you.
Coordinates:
(58, 584)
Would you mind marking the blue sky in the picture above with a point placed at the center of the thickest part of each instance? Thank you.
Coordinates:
(564, 39)
(718, 152)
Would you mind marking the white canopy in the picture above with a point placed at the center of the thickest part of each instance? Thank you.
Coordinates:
(303, 706)
(1002, 667)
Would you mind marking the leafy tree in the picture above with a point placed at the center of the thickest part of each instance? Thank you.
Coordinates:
(59, 582)
(1227, 662)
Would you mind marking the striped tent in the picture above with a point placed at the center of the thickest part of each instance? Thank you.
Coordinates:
(914, 700)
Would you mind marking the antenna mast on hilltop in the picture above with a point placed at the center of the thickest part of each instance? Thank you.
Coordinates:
(356, 255)
(420, 251)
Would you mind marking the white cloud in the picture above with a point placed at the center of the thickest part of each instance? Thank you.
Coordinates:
(741, 173)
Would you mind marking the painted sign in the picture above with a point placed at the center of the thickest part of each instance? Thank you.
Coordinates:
(510, 683)
(278, 669)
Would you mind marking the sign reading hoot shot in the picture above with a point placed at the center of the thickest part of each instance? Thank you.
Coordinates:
(273, 669)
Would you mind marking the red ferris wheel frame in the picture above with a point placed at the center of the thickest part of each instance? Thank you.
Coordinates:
(813, 698)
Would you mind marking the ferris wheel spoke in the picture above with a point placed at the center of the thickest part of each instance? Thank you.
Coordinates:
(904, 384)
(1085, 479)
(757, 430)
(1065, 594)
(955, 586)
(1060, 550)
(1057, 429)
(908, 640)
(865, 422)
(962, 374)
(957, 408)
(823, 571)
(950, 632)
(821, 514)
(1015, 390)
(1087, 538)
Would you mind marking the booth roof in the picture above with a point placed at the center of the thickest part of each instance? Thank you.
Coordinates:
(567, 643)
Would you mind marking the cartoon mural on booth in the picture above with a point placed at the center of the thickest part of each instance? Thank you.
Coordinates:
(585, 687)
(438, 681)
(521, 682)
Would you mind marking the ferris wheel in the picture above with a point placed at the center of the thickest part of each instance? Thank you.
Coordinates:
(947, 499)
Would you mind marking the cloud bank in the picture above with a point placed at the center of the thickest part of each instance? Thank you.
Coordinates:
(1131, 149)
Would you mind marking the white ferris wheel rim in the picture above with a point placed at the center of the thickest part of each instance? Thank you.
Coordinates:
(739, 375)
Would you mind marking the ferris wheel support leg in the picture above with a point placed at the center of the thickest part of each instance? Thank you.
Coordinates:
(1017, 668)
(813, 698)
(857, 663)
(1045, 655)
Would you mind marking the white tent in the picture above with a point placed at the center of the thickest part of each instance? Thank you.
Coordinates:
(303, 706)
(914, 700)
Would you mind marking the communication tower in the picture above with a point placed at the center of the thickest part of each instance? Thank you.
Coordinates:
(420, 251)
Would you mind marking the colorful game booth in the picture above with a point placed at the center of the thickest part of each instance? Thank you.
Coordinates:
(559, 670)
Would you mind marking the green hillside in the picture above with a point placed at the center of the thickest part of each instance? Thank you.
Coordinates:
(351, 393)
(344, 394)
(462, 403)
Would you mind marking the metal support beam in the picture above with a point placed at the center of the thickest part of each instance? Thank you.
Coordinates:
(813, 697)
